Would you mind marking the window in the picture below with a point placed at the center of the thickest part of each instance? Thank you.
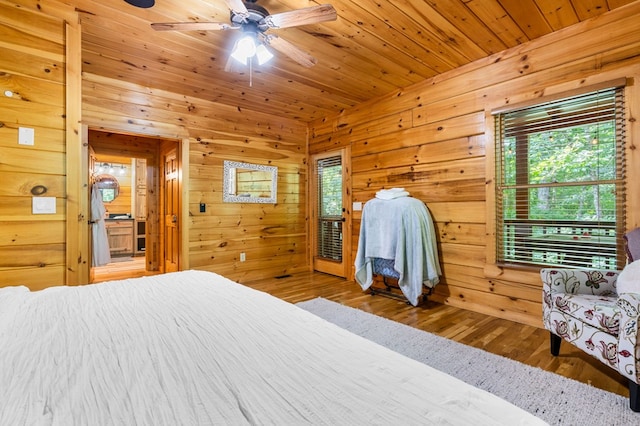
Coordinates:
(560, 182)
(330, 208)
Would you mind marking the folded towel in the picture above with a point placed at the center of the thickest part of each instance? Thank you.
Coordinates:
(390, 194)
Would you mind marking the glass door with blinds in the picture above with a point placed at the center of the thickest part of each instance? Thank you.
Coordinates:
(329, 213)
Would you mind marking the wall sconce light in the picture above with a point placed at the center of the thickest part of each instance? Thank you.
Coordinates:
(111, 168)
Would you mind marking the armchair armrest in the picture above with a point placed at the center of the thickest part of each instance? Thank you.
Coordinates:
(599, 282)
(628, 344)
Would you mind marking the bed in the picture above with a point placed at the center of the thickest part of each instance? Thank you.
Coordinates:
(195, 348)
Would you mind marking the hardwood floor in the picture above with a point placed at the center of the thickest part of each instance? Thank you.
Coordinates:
(120, 268)
(529, 345)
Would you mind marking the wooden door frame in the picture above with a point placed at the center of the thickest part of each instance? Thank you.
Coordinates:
(345, 268)
(83, 274)
(77, 255)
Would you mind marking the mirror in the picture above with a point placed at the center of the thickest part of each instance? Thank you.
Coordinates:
(249, 183)
(108, 186)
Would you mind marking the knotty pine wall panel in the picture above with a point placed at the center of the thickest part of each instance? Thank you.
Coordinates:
(32, 67)
(32, 64)
(273, 236)
(435, 139)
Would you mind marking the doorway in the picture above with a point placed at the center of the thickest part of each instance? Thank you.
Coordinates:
(331, 213)
(125, 203)
(138, 243)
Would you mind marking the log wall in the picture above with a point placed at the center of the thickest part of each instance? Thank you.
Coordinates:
(32, 77)
(273, 236)
(435, 139)
(33, 247)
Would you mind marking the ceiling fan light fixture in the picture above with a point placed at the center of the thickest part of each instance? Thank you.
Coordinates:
(254, 21)
(245, 49)
(238, 57)
(263, 54)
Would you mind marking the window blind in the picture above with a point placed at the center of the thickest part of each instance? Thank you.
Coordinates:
(560, 182)
(329, 178)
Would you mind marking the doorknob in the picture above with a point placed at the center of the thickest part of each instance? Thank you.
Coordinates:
(174, 218)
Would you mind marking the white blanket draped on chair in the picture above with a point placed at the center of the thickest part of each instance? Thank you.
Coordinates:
(400, 229)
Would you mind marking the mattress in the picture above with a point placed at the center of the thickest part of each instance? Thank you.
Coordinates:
(194, 348)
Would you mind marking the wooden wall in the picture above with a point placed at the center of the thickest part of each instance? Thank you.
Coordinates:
(273, 236)
(436, 139)
(32, 67)
(32, 248)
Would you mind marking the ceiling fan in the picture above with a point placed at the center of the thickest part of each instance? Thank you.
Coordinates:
(254, 21)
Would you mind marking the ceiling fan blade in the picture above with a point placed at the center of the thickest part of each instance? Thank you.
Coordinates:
(305, 16)
(191, 26)
(283, 46)
(237, 6)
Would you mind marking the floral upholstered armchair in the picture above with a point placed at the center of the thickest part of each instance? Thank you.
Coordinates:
(597, 311)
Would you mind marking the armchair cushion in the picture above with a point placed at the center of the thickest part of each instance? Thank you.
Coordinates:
(598, 311)
(632, 244)
(629, 278)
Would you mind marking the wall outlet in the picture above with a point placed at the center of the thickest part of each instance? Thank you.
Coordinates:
(243, 257)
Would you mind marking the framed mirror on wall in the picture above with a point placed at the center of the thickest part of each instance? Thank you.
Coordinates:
(108, 186)
(249, 183)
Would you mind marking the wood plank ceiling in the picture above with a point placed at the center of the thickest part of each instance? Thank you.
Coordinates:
(375, 47)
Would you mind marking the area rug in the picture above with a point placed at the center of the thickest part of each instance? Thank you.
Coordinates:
(551, 397)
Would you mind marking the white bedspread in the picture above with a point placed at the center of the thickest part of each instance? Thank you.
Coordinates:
(193, 348)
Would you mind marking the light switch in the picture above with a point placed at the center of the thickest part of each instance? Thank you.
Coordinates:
(357, 206)
(44, 205)
(26, 136)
